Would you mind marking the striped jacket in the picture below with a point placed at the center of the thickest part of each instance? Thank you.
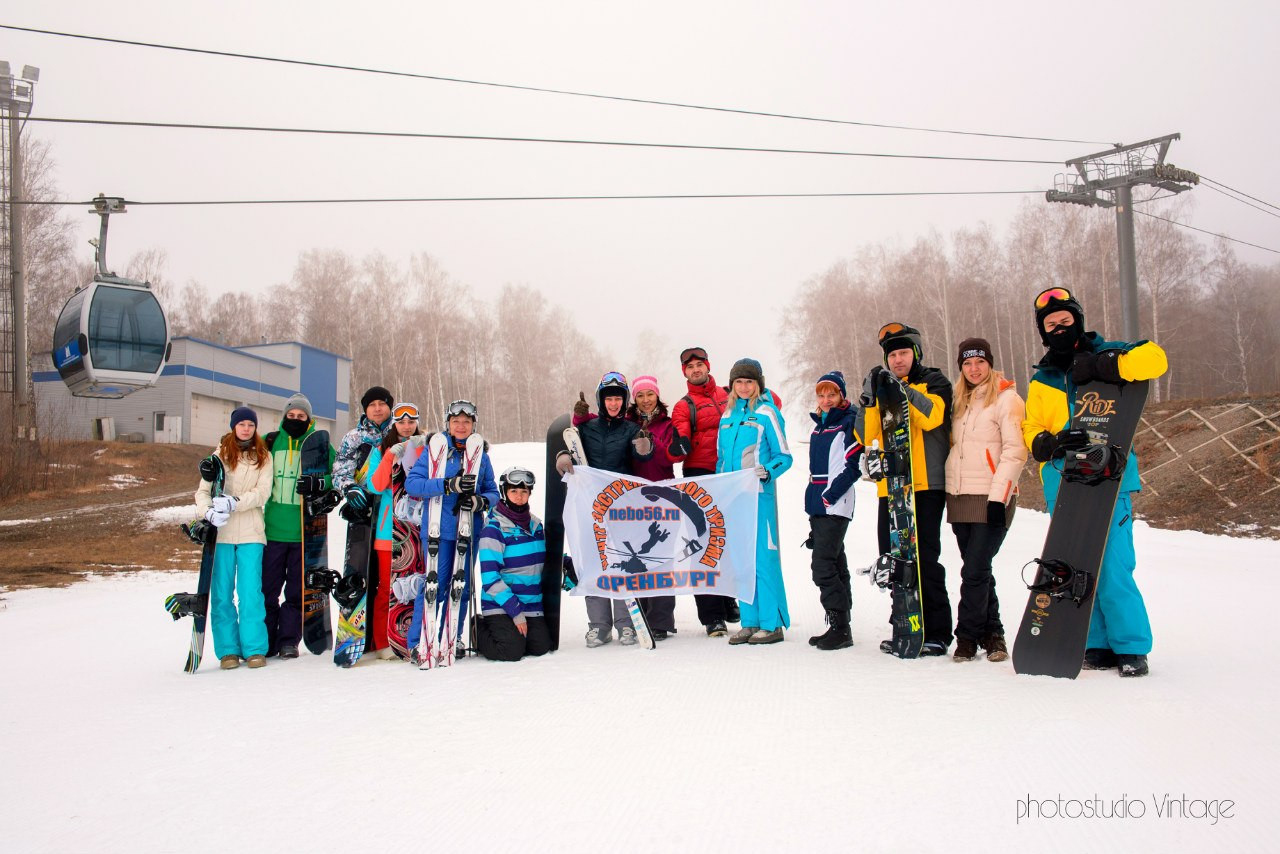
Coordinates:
(834, 449)
(511, 559)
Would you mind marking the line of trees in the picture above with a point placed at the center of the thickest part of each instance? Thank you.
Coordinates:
(1216, 316)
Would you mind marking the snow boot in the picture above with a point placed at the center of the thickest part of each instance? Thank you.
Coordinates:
(766, 636)
(717, 629)
(1099, 658)
(230, 662)
(743, 635)
(599, 637)
(732, 613)
(288, 651)
(933, 648)
(966, 650)
(256, 661)
(996, 650)
(837, 635)
(628, 637)
(1132, 665)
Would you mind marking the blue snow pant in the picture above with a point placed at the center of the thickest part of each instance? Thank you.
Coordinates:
(1120, 621)
(237, 575)
(448, 551)
(769, 610)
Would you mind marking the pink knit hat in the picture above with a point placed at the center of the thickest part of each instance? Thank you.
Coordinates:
(645, 383)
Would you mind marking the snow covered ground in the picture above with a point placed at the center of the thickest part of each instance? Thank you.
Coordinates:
(109, 746)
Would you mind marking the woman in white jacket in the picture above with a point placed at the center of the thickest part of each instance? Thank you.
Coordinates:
(987, 454)
(237, 560)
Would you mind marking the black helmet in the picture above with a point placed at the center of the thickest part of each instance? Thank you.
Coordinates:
(899, 336)
(1056, 299)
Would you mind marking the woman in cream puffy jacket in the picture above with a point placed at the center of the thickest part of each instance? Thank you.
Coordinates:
(237, 561)
(987, 454)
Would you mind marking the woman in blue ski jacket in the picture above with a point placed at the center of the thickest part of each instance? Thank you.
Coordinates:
(753, 435)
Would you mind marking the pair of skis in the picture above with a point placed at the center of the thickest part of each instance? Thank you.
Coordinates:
(573, 441)
(445, 613)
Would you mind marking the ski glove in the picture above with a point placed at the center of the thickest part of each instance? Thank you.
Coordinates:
(763, 474)
(473, 503)
(399, 448)
(581, 409)
(570, 574)
(225, 504)
(680, 446)
(208, 469)
(995, 513)
(564, 463)
(215, 517)
(1103, 366)
(878, 465)
(310, 484)
(1046, 446)
(357, 498)
(642, 444)
(461, 484)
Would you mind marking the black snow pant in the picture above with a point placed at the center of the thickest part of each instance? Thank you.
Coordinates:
(659, 612)
(978, 614)
(711, 609)
(930, 505)
(282, 569)
(500, 640)
(830, 566)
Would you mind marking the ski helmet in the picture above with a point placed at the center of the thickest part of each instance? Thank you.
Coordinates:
(613, 384)
(516, 476)
(1056, 299)
(459, 407)
(899, 336)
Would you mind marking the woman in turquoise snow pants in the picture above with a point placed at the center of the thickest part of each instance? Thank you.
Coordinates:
(753, 437)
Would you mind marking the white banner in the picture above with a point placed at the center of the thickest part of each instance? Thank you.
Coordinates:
(631, 537)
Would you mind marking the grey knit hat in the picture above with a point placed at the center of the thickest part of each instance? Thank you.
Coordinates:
(747, 369)
(299, 401)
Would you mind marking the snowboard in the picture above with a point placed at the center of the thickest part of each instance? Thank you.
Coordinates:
(901, 565)
(1055, 625)
(407, 555)
(573, 441)
(553, 528)
(317, 630)
(196, 605)
(355, 590)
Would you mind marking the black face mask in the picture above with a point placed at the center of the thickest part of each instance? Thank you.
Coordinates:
(294, 428)
(1063, 339)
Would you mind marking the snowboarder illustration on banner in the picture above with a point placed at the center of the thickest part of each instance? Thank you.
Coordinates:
(1083, 407)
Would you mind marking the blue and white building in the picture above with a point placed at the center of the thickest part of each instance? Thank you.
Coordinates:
(199, 388)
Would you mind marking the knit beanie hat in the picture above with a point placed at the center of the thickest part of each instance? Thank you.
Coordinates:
(243, 413)
(979, 347)
(376, 393)
(644, 383)
(299, 401)
(748, 369)
(836, 378)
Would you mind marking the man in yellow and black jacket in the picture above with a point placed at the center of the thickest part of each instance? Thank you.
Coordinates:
(1119, 630)
(928, 392)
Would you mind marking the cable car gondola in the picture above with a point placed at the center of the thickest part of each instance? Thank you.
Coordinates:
(112, 337)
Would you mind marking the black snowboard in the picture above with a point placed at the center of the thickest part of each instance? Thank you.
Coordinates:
(1055, 625)
(357, 587)
(317, 629)
(553, 526)
(903, 559)
(196, 605)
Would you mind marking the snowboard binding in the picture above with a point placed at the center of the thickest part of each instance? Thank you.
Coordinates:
(349, 590)
(323, 503)
(1094, 463)
(181, 605)
(321, 580)
(199, 531)
(889, 571)
(1060, 580)
(356, 515)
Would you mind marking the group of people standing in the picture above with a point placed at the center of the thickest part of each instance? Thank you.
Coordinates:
(969, 441)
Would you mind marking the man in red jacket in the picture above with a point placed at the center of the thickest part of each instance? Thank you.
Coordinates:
(696, 420)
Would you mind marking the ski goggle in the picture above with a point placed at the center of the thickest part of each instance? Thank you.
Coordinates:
(461, 407)
(890, 329)
(613, 379)
(1051, 294)
(687, 356)
(405, 412)
(518, 477)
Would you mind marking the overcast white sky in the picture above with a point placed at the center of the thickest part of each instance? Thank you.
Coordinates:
(717, 273)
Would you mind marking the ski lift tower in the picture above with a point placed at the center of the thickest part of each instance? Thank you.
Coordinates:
(1107, 179)
(16, 95)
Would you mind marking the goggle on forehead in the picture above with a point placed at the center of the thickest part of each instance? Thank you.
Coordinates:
(1052, 294)
(405, 412)
(519, 477)
(461, 407)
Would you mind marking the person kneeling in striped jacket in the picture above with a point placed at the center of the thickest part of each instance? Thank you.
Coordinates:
(513, 550)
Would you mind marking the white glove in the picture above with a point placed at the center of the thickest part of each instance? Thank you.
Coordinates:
(419, 441)
(225, 504)
(216, 518)
(643, 444)
(564, 463)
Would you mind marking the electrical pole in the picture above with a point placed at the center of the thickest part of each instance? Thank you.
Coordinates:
(16, 96)
(1107, 179)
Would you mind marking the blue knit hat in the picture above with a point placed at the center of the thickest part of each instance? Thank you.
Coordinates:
(243, 413)
(835, 377)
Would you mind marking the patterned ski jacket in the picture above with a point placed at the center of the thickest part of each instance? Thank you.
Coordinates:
(250, 486)
(929, 394)
(511, 560)
(350, 454)
(987, 452)
(1052, 388)
(834, 452)
(419, 483)
(283, 515)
